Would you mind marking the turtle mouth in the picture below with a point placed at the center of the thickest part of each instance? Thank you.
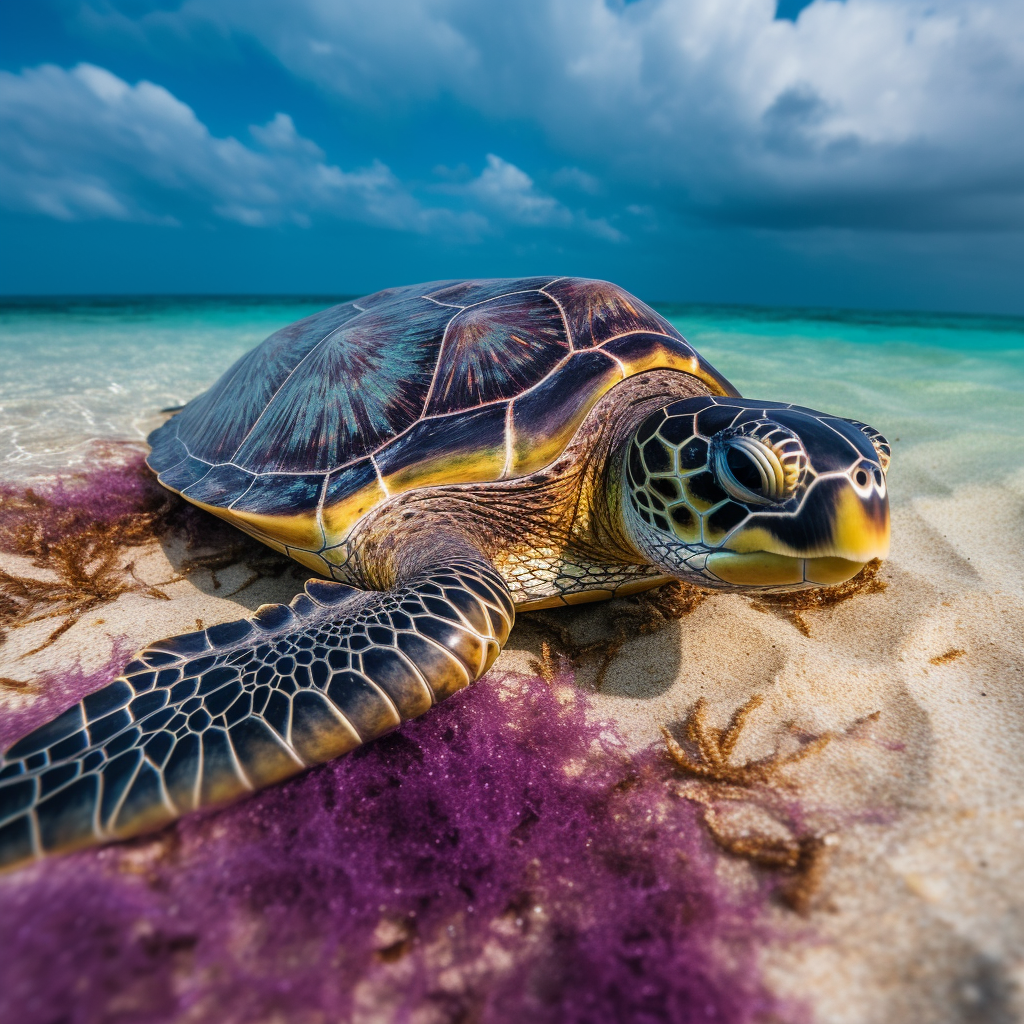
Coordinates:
(842, 526)
(766, 569)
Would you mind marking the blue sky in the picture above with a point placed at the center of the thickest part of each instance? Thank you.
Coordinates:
(857, 153)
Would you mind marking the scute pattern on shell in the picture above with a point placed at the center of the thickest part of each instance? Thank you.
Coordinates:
(403, 378)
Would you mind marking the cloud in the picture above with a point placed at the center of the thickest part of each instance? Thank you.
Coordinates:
(504, 187)
(83, 144)
(510, 192)
(864, 113)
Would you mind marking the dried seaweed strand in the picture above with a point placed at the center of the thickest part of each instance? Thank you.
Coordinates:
(78, 537)
(793, 605)
(718, 779)
(634, 616)
(948, 656)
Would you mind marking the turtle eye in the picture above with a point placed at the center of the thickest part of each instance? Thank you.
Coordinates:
(750, 471)
(759, 463)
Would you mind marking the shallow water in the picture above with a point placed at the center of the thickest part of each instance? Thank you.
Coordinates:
(948, 389)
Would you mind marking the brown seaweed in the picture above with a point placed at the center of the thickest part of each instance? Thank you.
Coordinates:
(79, 534)
(637, 615)
(794, 604)
(951, 655)
(706, 757)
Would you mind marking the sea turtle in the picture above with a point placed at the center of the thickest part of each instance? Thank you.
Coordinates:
(440, 456)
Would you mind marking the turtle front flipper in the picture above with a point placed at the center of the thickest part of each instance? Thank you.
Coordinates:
(205, 718)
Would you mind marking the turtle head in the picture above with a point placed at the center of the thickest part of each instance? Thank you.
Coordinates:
(747, 495)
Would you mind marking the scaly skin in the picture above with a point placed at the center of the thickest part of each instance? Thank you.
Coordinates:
(557, 537)
(662, 481)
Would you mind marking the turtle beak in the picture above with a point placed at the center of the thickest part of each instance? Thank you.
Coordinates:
(840, 528)
(860, 525)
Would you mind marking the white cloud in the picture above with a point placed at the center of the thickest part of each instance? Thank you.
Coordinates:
(503, 186)
(509, 191)
(577, 179)
(863, 112)
(84, 143)
(279, 134)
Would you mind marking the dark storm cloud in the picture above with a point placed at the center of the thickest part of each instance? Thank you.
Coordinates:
(852, 114)
(864, 114)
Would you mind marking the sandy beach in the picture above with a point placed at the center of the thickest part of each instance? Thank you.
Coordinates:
(865, 809)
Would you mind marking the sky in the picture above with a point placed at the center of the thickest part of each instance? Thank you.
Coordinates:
(866, 153)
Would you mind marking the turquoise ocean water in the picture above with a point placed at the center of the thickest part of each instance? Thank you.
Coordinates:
(949, 391)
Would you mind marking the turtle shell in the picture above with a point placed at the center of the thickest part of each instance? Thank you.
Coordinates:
(444, 383)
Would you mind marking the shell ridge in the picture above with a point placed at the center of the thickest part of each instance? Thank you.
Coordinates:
(461, 412)
(491, 347)
(509, 434)
(561, 309)
(827, 422)
(437, 362)
(503, 295)
(223, 384)
(660, 334)
(621, 365)
(174, 437)
(283, 472)
(288, 377)
(219, 419)
(320, 512)
(376, 469)
(243, 494)
(199, 479)
(359, 386)
(494, 350)
(513, 286)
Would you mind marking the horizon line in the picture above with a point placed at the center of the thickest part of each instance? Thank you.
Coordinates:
(781, 310)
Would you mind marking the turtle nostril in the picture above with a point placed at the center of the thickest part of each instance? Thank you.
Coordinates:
(879, 479)
(861, 477)
(745, 470)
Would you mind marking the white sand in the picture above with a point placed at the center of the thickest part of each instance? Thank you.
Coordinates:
(920, 914)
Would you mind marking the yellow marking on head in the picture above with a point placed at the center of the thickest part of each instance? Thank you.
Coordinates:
(860, 532)
(712, 535)
(695, 502)
(758, 569)
(757, 539)
(689, 532)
